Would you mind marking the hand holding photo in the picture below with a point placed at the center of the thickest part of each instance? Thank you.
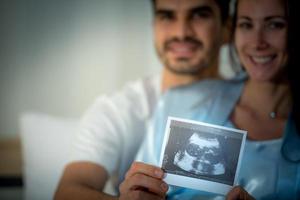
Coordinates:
(201, 156)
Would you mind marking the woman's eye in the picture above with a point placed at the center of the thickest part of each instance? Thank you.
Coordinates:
(244, 25)
(276, 25)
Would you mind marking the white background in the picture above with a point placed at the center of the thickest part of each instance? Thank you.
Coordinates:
(57, 56)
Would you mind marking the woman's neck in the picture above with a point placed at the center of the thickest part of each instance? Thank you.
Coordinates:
(258, 101)
(266, 97)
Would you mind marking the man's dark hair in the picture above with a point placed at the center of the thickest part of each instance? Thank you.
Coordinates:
(223, 5)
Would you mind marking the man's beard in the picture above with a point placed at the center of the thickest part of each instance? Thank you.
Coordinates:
(183, 65)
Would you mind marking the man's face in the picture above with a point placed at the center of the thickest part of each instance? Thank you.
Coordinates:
(188, 34)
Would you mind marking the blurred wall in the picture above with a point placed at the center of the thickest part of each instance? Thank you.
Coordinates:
(57, 56)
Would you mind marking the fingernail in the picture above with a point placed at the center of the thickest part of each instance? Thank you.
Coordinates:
(158, 173)
(164, 186)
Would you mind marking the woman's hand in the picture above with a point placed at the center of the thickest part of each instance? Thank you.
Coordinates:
(143, 181)
(238, 193)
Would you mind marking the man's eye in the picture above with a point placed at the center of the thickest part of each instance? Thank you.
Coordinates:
(165, 16)
(201, 15)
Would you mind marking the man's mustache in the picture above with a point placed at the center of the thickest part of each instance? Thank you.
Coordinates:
(190, 40)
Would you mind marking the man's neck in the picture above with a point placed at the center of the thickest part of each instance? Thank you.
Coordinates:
(171, 79)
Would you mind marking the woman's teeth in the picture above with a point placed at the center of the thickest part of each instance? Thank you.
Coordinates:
(262, 59)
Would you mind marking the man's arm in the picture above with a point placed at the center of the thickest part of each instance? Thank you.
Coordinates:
(83, 180)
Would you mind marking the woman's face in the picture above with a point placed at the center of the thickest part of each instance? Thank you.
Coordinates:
(261, 38)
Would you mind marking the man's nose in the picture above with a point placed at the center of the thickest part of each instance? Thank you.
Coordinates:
(183, 29)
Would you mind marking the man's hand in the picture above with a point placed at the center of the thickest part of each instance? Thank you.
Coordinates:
(238, 193)
(143, 181)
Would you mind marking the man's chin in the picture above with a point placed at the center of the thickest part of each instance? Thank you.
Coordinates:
(184, 69)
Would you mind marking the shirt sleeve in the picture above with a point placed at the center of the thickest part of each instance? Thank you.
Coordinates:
(112, 128)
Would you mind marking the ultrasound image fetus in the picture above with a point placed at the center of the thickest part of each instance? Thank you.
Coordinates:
(201, 156)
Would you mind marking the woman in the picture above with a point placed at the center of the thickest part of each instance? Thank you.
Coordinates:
(264, 104)
(266, 108)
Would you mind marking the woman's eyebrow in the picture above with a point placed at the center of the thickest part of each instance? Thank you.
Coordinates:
(275, 17)
(244, 17)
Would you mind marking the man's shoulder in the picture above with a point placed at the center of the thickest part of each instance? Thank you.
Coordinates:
(204, 88)
(135, 96)
(138, 87)
(151, 82)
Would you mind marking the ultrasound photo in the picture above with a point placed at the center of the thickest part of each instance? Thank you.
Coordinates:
(201, 151)
(201, 155)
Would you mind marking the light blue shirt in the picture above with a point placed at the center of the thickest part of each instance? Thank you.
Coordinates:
(264, 172)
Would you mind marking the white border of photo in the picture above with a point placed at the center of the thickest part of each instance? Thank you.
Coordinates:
(196, 183)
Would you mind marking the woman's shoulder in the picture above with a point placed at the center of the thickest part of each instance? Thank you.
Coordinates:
(206, 97)
(290, 147)
(203, 89)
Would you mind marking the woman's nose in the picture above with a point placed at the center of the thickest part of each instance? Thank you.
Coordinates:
(260, 41)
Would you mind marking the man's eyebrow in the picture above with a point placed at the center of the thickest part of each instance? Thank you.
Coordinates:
(163, 11)
(202, 8)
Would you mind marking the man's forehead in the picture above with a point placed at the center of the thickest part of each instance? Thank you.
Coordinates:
(184, 5)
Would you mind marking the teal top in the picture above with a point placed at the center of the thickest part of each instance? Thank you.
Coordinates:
(269, 169)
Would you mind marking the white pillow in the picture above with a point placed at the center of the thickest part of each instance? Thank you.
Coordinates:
(46, 145)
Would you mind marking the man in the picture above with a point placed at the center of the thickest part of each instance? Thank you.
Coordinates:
(188, 34)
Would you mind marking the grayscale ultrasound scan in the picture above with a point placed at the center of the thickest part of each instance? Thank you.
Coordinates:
(201, 155)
